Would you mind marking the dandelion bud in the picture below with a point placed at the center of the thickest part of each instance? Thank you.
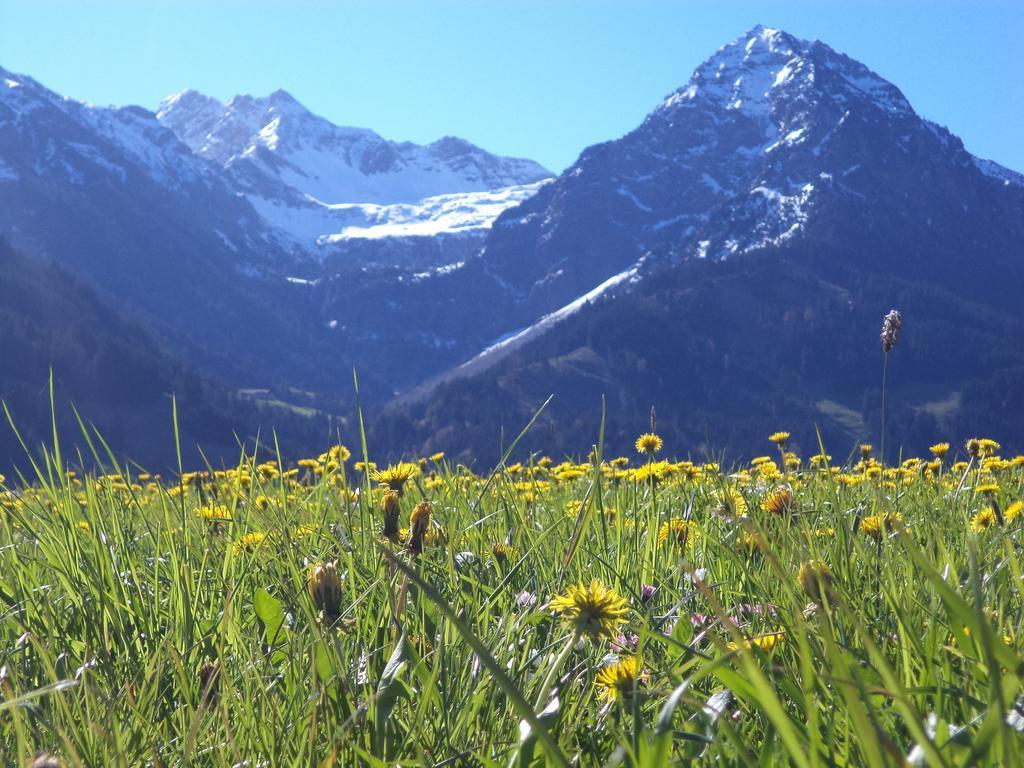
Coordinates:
(419, 523)
(389, 510)
(209, 681)
(501, 553)
(815, 579)
(325, 589)
(891, 325)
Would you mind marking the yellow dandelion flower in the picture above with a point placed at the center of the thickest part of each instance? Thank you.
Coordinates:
(730, 501)
(619, 680)
(779, 502)
(982, 447)
(268, 470)
(396, 475)
(591, 609)
(779, 438)
(1013, 511)
(987, 488)
(214, 513)
(568, 474)
(311, 465)
(648, 443)
(250, 542)
(821, 461)
(340, 453)
(652, 472)
(765, 642)
(939, 450)
(679, 530)
(983, 520)
(872, 526)
(875, 526)
(304, 531)
(988, 447)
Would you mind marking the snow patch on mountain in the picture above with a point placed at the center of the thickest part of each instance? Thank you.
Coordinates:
(509, 342)
(317, 226)
(444, 269)
(470, 212)
(506, 344)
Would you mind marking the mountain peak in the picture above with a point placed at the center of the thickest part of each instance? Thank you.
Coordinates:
(281, 96)
(187, 99)
(768, 65)
(280, 150)
(770, 37)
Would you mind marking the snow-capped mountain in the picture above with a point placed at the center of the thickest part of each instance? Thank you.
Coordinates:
(658, 263)
(717, 253)
(219, 239)
(314, 181)
(734, 161)
(114, 195)
(53, 148)
(281, 140)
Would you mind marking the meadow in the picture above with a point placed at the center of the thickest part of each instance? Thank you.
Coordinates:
(630, 610)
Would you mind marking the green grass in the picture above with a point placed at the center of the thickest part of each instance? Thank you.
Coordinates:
(115, 592)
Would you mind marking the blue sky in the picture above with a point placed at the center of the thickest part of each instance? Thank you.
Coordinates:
(520, 77)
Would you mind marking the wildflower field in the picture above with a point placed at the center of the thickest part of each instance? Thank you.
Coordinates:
(631, 611)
